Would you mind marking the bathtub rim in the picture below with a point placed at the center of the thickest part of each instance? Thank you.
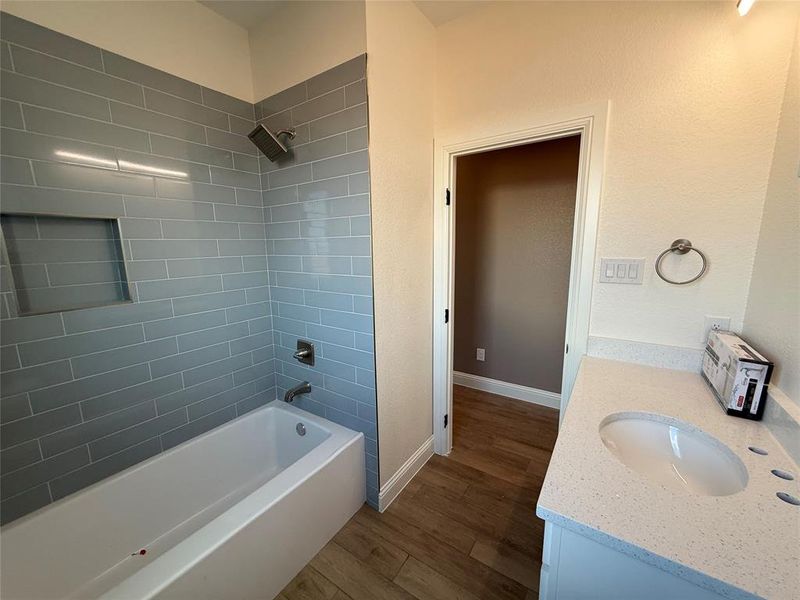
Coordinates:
(330, 426)
(236, 516)
(159, 574)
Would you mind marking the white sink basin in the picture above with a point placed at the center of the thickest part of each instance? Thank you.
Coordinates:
(673, 453)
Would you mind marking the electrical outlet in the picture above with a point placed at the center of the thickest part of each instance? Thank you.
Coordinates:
(715, 324)
(480, 354)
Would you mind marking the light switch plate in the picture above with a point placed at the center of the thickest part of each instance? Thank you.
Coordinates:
(621, 270)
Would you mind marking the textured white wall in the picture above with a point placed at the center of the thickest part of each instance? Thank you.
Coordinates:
(302, 39)
(695, 95)
(772, 320)
(182, 38)
(400, 80)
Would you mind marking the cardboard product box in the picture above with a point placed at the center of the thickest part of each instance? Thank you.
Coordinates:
(737, 373)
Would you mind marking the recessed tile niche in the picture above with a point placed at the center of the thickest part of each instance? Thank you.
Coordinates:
(63, 263)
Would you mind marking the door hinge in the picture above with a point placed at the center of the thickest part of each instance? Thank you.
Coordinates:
(445, 421)
(446, 315)
(447, 197)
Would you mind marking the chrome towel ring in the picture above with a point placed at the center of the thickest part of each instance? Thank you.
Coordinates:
(681, 246)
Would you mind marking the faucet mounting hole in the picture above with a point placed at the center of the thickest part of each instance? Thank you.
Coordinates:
(788, 498)
(758, 450)
(782, 474)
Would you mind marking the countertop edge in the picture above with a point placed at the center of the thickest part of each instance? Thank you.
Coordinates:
(693, 576)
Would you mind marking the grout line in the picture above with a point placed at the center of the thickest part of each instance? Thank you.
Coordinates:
(32, 171)
(293, 106)
(10, 55)
(269, 189)
(143, 87)
(130, 128)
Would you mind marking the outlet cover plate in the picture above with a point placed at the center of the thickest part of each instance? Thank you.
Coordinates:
(718, 323)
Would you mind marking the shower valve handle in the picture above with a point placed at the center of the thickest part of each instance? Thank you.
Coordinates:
(305, 352)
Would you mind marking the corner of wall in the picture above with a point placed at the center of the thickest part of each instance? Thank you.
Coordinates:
(775, 279)
(281, 55)
(401, 50)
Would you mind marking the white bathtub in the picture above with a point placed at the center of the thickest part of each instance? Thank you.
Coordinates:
(234, 513)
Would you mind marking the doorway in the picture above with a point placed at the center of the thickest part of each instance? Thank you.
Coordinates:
(588, 125)
(513, 243)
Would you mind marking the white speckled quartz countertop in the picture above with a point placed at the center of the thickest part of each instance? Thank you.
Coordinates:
(744, 545)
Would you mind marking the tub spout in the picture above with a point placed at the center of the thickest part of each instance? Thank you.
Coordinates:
(303, 388)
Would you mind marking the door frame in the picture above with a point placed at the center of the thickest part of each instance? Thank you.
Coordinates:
(590, 122)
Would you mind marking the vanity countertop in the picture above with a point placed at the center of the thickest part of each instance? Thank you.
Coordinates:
(743, 545)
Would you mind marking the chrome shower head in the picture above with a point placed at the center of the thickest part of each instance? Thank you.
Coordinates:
(268, 142)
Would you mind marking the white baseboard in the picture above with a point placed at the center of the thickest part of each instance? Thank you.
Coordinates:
(510, 390)
(404, 474)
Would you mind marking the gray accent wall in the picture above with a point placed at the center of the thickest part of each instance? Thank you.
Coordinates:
(216, 240)
(318, 230)
(88, 393)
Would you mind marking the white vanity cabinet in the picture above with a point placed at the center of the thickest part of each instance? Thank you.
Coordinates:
(577, 568)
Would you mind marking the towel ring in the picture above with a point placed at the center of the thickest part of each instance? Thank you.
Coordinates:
(681, 246)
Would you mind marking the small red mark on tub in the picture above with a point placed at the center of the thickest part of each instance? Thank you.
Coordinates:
(141, 552)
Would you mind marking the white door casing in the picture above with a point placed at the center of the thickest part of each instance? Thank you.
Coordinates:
(590, 122)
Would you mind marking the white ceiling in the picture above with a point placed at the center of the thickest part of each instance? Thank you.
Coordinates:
(247, 13)
(251, 13)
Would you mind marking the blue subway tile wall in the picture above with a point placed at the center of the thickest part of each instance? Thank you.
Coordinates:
(87, 393)
(317, 215)
(217, 239)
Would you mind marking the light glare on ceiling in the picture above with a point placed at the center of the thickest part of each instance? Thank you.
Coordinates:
(744, 6)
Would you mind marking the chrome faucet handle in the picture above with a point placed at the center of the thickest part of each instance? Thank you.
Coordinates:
(305, 352)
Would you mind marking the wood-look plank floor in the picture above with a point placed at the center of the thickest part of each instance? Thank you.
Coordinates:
(464, 528)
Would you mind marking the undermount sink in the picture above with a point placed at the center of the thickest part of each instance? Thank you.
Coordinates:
(673, 453)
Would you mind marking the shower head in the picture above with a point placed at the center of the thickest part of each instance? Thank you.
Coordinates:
(268, 142)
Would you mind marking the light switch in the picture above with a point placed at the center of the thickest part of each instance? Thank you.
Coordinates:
(622, 270)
